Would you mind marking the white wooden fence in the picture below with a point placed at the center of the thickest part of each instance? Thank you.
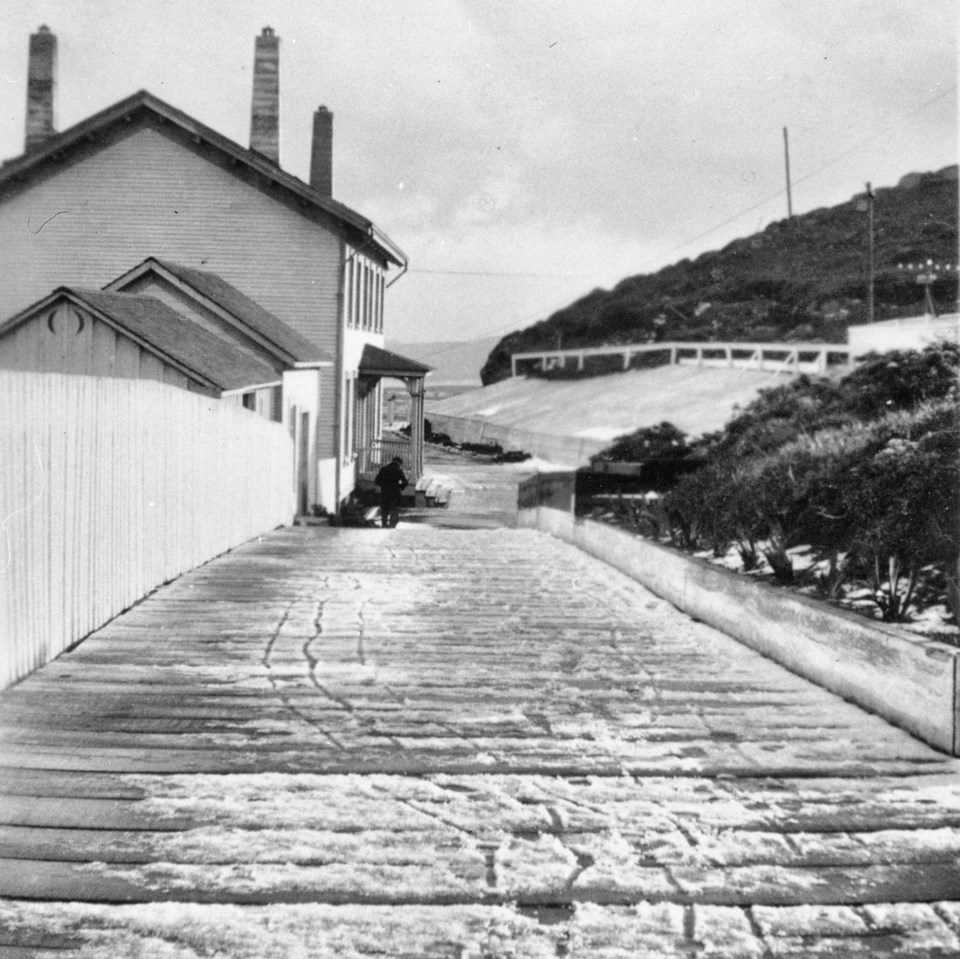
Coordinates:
(109, 488)
(772, 357)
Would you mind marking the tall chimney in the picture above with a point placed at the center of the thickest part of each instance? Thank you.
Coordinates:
(321, 156)
(41, 83)
(265, 110)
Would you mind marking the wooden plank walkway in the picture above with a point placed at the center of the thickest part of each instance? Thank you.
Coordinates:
(449, 742)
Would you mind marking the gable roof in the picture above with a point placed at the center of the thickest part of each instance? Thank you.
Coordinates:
(295, 347)
(206, 358)
(145, 106)
(375, 361)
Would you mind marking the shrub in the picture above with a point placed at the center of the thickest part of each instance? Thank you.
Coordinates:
(886, 492)
(901, 380)
(905, 497)
(661, 442)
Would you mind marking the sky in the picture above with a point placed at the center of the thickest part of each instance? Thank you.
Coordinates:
(525, 152)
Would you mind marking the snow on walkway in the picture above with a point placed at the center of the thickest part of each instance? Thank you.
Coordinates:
(450, 742)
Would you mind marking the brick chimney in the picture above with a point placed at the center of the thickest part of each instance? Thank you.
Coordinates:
(41, 84)
(321, 156)
(265, 109)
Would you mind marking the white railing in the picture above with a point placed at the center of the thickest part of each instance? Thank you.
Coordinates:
(770, 357)
(110, 487)
(381, 451)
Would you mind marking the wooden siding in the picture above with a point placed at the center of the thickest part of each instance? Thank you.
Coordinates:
(67, 339)
(151, 195)
(265, 402)
(326, 435)
(110, 487)
(147, 195)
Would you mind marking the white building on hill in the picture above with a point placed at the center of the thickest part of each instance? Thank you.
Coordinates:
(907, 333)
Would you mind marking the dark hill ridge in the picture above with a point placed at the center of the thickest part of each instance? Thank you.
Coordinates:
(799, 279)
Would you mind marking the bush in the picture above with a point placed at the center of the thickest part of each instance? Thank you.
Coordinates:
(901, 380)
(864, 471)
(886, 492)
(906, 500)
(661, 442)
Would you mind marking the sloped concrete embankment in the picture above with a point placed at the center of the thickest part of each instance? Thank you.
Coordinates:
(567, 421)
(570, 451)
(907, 680)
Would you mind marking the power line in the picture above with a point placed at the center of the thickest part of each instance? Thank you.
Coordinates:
(495, 273)
(513, 324)
(736, 216)
(508, 327)
(807, 176)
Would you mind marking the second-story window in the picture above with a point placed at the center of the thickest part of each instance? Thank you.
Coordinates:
(357, 276)
(348, 292)
(380, 289)
(366, 296)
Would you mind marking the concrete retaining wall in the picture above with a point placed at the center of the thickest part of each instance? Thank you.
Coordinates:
(563, 450)
(909, 681)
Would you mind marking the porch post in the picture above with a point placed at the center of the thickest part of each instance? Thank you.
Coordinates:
(415, 389)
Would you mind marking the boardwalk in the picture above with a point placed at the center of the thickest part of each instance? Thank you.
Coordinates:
(454, 743)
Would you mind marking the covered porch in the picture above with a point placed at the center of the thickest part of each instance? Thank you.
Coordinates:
(373, 449)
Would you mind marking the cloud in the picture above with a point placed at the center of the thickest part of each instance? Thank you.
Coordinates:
(543, 135)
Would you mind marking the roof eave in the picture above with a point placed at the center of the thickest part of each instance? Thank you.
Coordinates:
(313, 364)
(240, 390)
(32, 309)
(285, 356)
(389, 247)
(189, 372)
(394, 373)
(14, 169)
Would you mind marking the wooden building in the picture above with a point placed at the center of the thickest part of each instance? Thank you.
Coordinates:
(141, 182)
(223, 310)
(121, 335)
(219, 343)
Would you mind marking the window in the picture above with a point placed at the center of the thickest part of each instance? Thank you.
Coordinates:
(349, 413)
(356, 297)
(380, 289)
(348, 292)
(366, 297)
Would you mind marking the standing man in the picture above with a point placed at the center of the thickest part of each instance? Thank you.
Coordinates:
(392, 482)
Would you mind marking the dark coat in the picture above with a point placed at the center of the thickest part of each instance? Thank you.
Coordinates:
(392, 481)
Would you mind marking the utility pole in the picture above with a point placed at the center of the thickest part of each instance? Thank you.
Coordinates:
(870, 254)
(786, 157)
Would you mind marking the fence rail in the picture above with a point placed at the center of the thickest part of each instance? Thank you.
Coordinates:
(381, 451)
(109, 488)
(770, 357)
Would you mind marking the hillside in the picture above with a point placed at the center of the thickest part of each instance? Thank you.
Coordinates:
(454, 362)
(799, 279)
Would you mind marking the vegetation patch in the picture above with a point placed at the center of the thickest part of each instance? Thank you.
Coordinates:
(848, 489)
(494, 451)
(802, 279)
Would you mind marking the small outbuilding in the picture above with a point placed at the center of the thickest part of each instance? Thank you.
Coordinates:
(100, 333)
